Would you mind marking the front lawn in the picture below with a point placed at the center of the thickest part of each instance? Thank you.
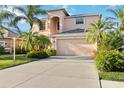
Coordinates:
(114, 76)
(6, 61)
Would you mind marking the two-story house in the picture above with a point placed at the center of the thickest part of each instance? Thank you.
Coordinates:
(68, 32)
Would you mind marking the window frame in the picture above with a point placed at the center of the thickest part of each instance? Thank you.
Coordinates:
(79, 23)
(44, 26)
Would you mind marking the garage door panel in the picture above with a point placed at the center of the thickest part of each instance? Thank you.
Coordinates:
(74, 47)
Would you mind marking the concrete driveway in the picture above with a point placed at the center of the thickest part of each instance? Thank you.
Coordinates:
(54, 72)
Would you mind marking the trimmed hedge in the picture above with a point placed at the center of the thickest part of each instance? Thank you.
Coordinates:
(20, 50)
(2, 50)
(37, 54)
(51, 51)
(110, 60)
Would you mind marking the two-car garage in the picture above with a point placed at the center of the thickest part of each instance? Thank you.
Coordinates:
(73, 46)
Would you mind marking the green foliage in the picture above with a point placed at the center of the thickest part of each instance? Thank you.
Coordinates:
(37, 54)
(40, 42)
(96, 30)
(2, 50)
(51, 51)
(27, 40)
(119, 14)
(20, 50)
(30, 13)
(33, 41)
(112, 41)
(110, 60)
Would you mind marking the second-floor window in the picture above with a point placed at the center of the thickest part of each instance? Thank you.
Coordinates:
(43, 25)
(79, 20)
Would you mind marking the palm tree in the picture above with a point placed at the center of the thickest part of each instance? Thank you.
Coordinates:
(119, 14)
(26, 40)
(32, 41)
(96, 30)
(2, 17)
(29, 13)
(41, 42)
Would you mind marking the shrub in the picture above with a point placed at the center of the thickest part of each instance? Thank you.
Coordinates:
(2, 50)
(20, 50)
(111, 41)
(37, 54)
(51, 51)
(110, 61)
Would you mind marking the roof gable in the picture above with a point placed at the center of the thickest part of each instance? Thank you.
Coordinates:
(63, 10)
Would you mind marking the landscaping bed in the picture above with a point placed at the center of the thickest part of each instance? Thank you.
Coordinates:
(114, 76)
(7, 61)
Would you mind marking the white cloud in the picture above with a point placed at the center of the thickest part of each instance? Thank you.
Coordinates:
(10, 8)
(65, 6)
(69, 9)
(61, 6)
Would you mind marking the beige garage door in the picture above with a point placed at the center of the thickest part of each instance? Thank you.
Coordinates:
(74, 47)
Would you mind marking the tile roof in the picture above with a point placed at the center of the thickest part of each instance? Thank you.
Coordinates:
(73, 31)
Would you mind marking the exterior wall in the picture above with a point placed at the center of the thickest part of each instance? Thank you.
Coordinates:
(36, 28)
(70, 23)
(11, 34)
(9, 43)
(8, 33)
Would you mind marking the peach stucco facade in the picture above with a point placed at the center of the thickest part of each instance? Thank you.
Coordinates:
(61, 28)
(66, 22)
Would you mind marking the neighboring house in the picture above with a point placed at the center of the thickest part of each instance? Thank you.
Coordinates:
(68, 32)
(7, 41)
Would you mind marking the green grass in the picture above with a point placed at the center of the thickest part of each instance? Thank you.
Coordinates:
(6, 61)
(114, 76)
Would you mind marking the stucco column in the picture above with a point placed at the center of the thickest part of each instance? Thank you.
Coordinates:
(48, 26)
(61, 24)
(49, 34)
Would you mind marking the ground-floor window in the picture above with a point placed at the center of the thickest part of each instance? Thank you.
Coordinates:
(2, 43)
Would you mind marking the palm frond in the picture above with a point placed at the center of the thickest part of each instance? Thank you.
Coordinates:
(20, 8)
(17, 19)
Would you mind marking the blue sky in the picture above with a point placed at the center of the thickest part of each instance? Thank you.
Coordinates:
(77, 9)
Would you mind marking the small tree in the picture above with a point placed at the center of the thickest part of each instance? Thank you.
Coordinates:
(96, 30)
(112, 40)
(32, 41)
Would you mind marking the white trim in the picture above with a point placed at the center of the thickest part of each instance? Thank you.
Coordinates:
(55, 43)
(71, 35)
(70, 38)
